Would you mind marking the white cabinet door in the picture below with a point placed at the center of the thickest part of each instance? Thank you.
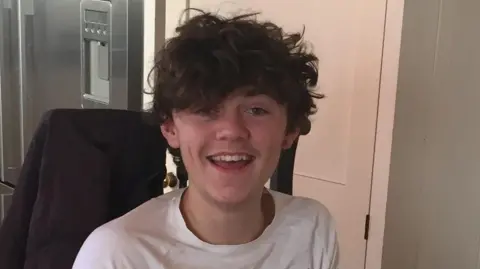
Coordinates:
(334, 162)
(433, 209)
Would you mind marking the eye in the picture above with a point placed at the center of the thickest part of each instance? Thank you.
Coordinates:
(207, 112)
(257, 111)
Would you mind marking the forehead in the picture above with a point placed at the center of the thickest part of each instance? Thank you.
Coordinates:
(234, 97)
(242, 96)
(246, 94)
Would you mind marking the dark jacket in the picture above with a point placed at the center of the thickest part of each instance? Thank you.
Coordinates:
(83, 169)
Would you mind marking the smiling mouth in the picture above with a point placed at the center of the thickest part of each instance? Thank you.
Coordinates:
(231, 162)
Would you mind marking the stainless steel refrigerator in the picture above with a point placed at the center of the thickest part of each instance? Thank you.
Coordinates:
(63, 54)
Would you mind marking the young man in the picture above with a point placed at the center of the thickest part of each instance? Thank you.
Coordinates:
(231, 94)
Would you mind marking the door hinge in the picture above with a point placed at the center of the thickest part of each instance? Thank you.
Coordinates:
(367, 226)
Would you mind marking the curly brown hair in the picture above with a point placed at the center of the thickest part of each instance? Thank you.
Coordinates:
(212, 56)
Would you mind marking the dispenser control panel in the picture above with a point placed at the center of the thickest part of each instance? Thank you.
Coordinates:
(96, 28)
(96, 23)
(96, 19)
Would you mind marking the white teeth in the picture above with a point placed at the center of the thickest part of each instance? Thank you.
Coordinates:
(231, 158)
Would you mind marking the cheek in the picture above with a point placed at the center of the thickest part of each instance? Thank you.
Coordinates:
(193, 144)
(267, 138)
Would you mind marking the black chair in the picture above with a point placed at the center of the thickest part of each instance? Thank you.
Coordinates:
(83, 169)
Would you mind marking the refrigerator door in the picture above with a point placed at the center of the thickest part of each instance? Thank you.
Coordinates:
(80, 53)
(64, 54)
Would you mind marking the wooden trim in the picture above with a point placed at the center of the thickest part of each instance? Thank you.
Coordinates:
(385, 123)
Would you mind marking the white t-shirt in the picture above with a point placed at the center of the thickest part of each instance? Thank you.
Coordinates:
(154, 236)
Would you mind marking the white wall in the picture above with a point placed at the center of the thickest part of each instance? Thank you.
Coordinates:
(148, 46)
(160, 20)
(174, 15)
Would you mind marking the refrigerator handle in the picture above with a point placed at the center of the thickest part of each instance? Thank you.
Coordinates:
(10, 126)
(27, 61)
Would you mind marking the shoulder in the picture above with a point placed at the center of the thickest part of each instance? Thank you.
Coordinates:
(302, 208)
(155, 210)
(115, 245)
(313, 218)
(106, 248)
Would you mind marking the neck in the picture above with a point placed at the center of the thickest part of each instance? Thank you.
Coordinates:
(226, 225)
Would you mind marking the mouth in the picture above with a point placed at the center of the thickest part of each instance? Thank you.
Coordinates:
(231, 161)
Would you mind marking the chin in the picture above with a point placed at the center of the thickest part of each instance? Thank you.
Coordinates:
(227, 188)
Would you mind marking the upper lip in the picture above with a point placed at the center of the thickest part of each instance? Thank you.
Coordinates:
(230, 154)
(249, 156)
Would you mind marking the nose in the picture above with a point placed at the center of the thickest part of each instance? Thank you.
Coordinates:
(232, 126)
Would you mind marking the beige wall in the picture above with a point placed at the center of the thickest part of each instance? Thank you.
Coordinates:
(334, 162)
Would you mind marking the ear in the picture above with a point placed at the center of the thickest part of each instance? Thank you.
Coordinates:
(290, 137)
(170, 133)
